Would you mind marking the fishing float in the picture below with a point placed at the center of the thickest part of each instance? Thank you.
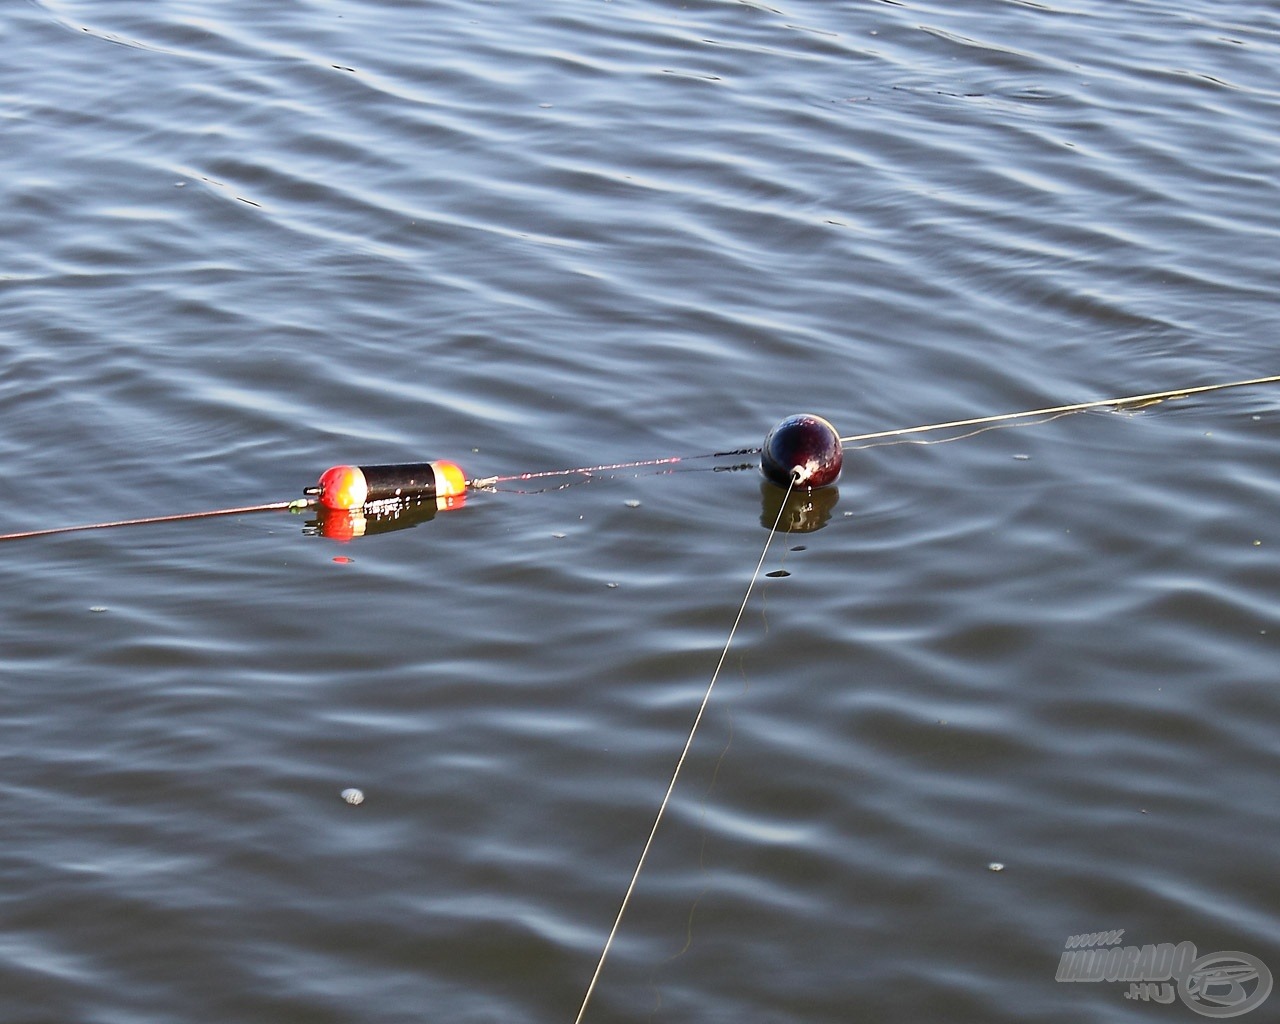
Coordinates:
(803, 451)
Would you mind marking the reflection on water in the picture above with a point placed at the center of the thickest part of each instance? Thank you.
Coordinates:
(345, 525)
(805, 509)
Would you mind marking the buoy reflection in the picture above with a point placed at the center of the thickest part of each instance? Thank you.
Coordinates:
(805, 511)
(344, 525)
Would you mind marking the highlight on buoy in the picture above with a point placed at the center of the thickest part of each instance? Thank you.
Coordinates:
(355, 487)
(803, 450)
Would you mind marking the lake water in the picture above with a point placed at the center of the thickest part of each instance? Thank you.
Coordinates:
(245, 241)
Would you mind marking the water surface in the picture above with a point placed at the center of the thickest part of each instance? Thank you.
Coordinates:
(243, 244)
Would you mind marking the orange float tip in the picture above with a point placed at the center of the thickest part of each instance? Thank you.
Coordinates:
(451, 482)
(343, 487)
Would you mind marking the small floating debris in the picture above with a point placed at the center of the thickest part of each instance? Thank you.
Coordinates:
(995, 865)
(778, 574)
(632, 503)
(353, 796)
(98, 608)
(1021, 457)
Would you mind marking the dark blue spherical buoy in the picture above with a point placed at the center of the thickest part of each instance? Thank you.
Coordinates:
(803, 449)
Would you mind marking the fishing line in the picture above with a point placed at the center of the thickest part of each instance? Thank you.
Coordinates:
(587, 475)
(489, 481)
(274, 506)
(702, 808)
(1101, 403)
(675, 775)
(958, 437)
(1045, 415)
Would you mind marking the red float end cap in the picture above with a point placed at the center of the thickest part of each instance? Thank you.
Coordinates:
(343, 487)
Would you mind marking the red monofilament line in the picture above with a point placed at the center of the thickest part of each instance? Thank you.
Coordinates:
(611, 467)
(589, 469)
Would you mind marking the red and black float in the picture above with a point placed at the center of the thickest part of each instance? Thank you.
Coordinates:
(355, 487)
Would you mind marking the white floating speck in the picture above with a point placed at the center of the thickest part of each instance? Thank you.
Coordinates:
(995, 865)
(559, 536)
(633, 503)
(612, 586)
(98, 608)
(353, 796)
(1022, 458)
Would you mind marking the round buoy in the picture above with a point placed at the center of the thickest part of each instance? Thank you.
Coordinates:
(804, 450)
